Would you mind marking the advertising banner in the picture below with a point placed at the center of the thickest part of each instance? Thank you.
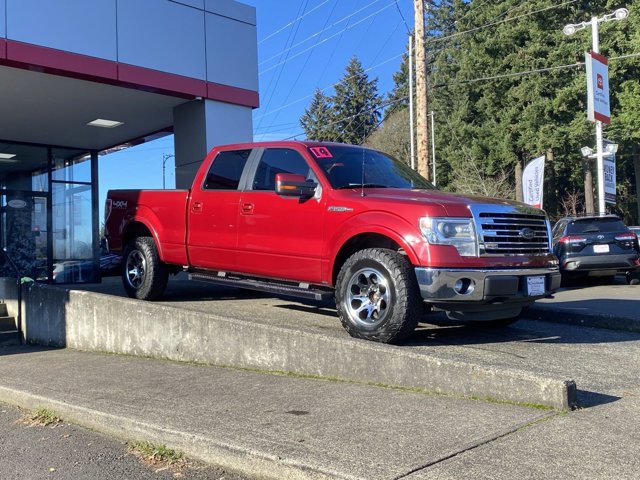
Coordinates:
(533, 182)
(610, 179)
(597, 87)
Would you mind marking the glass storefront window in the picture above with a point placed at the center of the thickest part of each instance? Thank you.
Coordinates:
(71, 165)
(72, 232)
(46, 213)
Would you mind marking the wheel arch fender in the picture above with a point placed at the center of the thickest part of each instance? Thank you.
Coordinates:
(373, 230)
(142, 223)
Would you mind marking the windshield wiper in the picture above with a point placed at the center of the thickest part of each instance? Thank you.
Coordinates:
(359, 185)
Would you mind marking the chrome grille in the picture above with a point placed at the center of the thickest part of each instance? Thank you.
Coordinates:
(513, 233)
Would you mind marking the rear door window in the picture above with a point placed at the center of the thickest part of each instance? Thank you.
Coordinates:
(226, 170)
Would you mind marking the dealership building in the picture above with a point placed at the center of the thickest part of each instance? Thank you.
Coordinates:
(80, 78)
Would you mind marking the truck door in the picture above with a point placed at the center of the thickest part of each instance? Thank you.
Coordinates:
(213, 212)
(280, 236)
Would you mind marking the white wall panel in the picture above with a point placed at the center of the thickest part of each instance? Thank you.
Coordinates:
(3, 31)
(232, 52)
(232, 9)
(79, 26)
(162, 35)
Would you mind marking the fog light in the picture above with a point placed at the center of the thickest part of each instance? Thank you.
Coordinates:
(464, 286)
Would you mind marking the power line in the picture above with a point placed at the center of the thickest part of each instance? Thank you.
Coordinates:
(529, 72)
(323, 41)
(492, 24)
(292, 22)
(314, 35)
(304, 66)
(292, 38)
(403, 19)
(326, 88)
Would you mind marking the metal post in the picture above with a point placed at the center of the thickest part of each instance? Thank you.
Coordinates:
(595, 46)
(433, 148)
(412, 139)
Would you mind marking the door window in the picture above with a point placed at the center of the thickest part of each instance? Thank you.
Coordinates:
(226, 170)
(279, 160)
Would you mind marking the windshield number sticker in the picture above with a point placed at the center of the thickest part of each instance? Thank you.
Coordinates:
(321, 152)
(535, 286)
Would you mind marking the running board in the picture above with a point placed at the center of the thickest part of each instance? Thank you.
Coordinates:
(293, 289)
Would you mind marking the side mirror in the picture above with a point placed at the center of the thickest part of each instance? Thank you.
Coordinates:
(293, 185)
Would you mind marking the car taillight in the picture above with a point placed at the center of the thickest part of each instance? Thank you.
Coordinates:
(569, 240)
(626, 237)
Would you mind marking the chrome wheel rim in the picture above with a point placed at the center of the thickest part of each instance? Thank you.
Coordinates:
(135, 267)
(368, 298)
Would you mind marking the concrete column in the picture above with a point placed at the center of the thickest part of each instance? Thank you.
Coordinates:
(200, 125)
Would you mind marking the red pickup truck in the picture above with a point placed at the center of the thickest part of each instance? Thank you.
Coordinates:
(326, 220)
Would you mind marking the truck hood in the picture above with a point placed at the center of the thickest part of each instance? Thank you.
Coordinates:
(454, 205)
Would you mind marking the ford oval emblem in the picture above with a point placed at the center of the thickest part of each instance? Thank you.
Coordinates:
(527, 233)
(17, 203)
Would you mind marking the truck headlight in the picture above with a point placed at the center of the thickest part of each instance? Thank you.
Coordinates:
(458, 232)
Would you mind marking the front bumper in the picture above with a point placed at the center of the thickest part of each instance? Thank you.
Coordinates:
(458, 287)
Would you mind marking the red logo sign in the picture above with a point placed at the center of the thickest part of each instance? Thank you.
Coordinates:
(600, 81)
(320, 152)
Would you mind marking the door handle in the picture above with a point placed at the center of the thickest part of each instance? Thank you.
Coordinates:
(247, 208)
(196, 207)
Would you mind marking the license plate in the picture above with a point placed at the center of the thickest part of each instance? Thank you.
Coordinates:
(535, 286)
(601, 249)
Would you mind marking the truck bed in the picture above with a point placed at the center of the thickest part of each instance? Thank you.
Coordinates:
(165, 212)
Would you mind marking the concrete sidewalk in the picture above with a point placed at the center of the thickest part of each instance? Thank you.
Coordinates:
(264, 425)
(282, 427)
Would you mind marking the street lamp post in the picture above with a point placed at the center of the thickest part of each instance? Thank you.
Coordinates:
(570, 29)
(165, 157)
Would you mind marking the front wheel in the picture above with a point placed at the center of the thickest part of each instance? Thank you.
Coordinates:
(377, 296)
(144, 275)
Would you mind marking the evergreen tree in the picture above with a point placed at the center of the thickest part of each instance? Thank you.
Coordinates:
(317, 119)
(356, 104)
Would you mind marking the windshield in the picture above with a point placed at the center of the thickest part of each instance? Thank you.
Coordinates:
(358, 167)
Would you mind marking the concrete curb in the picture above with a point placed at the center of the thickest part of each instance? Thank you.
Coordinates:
(96, 322)
(206, 449)
(584, 319)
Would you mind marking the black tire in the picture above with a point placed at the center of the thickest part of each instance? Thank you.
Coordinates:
(144, 275)
(387, 278)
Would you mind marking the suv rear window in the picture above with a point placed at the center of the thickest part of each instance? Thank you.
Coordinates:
(596, 225)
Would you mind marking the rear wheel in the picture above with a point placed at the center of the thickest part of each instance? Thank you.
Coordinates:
(144, 275)
(377, 296)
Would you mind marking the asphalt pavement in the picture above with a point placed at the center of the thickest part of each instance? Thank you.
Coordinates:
(265, 425)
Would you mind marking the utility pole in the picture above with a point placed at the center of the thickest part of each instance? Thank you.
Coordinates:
(412, 135)
(422, 117)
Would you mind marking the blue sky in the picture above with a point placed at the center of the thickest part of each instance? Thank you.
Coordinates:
(302, 45)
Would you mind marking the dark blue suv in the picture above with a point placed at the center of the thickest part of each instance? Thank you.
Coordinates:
(596, 246)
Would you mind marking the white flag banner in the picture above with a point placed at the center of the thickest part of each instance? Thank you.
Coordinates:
(533, 182)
